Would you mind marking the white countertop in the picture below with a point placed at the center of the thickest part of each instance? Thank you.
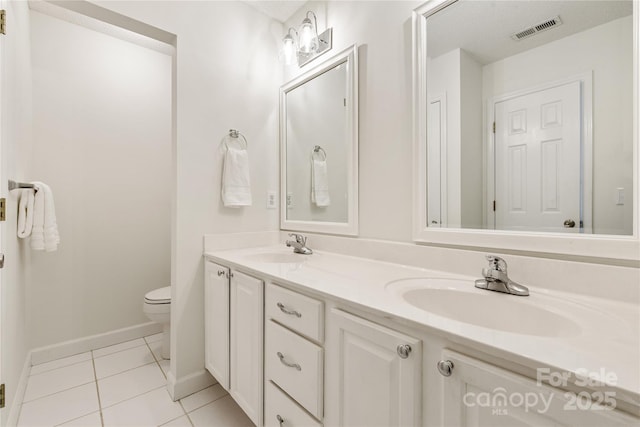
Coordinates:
(607, 346)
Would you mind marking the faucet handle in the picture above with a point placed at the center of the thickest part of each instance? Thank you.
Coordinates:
(497, 263)
(299, 238)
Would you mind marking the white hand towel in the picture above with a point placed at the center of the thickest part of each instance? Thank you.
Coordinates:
(236, 184)
(25, 213)
(44, 235)
(319, 183)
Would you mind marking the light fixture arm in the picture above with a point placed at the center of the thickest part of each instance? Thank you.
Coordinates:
(315, 21)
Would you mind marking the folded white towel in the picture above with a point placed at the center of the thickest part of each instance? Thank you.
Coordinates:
(236, 184)
(44, 235)
(319, 183)
(25, 213)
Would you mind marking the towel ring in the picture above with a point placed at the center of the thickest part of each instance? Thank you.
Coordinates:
(20, 185)
(317, 150)
(235, 134)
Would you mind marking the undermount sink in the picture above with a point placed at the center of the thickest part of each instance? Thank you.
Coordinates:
(460, 300)
(278, 258)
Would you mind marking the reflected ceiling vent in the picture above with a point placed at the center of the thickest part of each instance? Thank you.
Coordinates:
(538, 28)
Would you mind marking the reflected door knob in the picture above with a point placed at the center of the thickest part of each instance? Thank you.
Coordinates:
(569, 223)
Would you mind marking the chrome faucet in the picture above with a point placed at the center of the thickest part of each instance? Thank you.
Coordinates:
(496, 278)
(299, 244)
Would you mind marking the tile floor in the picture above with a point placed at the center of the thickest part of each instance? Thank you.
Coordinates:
(120, 385)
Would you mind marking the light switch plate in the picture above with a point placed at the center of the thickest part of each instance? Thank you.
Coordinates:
(272, 200)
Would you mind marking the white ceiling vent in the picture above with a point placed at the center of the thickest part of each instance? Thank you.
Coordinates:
(547, 24)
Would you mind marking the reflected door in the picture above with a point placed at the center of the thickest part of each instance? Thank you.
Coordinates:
(436, 165)
(538, 160)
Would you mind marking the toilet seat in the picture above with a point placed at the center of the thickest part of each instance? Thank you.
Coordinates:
(159, 296)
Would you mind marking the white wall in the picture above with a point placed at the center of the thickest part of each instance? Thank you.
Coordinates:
(227, 76)
(382, 30)
(471, 164)
(607, 51)
(15, 154)
(102, 141)
(456, 77)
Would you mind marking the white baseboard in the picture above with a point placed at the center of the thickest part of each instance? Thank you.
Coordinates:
(189, 384)
(93, 342)
(16, 405)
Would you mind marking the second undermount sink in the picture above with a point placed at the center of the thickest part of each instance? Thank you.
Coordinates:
(459, 300)
(278, 258)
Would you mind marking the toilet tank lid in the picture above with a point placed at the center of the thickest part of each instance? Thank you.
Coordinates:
(160, 294)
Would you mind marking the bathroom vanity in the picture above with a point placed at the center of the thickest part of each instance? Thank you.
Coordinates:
(327, 339)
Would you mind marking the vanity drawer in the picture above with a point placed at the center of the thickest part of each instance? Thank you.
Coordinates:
(295, 365)
(296, 311)
(278, 406)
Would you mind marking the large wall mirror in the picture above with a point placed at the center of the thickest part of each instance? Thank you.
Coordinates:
(526, 125)
(319, 148)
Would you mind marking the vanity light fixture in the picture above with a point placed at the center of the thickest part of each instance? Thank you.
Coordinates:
(289, 47)
(309, 45)
(309, 34)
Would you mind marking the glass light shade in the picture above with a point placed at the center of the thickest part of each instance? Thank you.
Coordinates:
(308, 39)
(288, 50)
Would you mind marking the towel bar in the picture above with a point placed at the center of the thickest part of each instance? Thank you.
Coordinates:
(18, 185)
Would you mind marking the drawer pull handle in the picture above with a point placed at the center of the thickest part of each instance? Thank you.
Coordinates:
(404, 351)
(221, 273)
(287, 364)
(285, 310)
(280, 420)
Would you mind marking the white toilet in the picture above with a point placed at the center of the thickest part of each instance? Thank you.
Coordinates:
(157, 307)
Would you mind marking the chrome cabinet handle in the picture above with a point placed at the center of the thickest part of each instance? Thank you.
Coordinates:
(221, 273)
(285, 310)
(280, 419)
(287, 364)
(445, 367)
(404, 351)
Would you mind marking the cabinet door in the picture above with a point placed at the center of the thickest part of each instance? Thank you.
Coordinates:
(368, 382)
(480, 394)
(247, 331)
(216, 322)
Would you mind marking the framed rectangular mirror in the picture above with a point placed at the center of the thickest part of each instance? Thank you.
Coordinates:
(319, 148)
(526, 126)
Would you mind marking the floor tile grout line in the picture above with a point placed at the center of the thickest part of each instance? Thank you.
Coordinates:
(91, 356)
(156, 359)
(95, 376)
(56, 392)
(59, 367)
(185, 412)
(208, 403)
(116, 352)
(133, 397)
(76, 418)
(128, 370)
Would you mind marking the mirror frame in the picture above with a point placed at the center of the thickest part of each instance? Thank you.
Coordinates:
(625, 248)
(349, 57)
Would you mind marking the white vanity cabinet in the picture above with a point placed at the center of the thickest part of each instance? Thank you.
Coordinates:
(374, 374)
(234, 331)
(479, 394)
(246, 343)
(216, 321)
